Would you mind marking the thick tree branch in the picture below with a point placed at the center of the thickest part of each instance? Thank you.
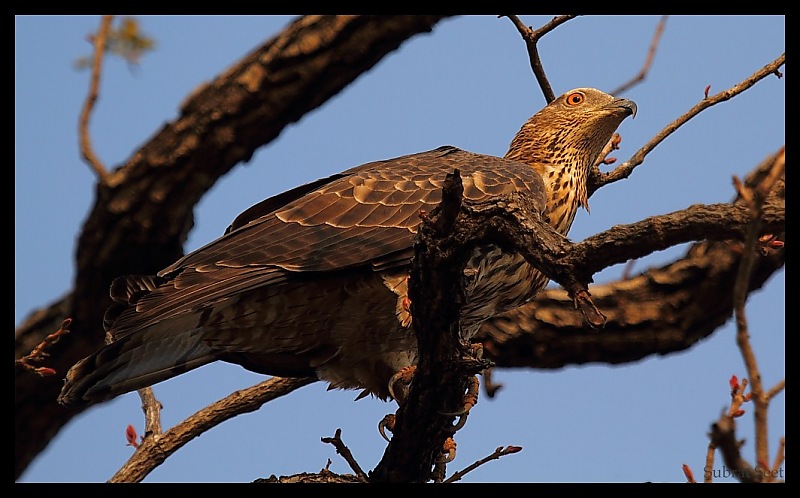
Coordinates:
(445, 364)
(223, 122)
(147, 203)
(641, 320)
(442, 247)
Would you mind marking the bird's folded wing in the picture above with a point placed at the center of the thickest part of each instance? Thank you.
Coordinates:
(365, 217)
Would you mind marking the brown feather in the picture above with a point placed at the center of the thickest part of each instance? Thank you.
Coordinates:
(313, 281)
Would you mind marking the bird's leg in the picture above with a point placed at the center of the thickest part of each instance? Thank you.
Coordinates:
(470, 399)
(448, 448)
(403, 377)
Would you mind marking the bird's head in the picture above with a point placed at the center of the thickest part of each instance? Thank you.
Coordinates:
(563, 141)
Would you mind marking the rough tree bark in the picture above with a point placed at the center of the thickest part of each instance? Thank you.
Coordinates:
(222, 124)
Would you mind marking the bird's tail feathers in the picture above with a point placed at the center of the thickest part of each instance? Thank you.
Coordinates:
(134, 362)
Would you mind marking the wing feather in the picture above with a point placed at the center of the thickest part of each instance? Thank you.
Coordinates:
(366, 216)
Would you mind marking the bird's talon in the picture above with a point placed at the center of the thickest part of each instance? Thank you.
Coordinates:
(477, 350)
(386, 423)
(404, 375)
(449, 449)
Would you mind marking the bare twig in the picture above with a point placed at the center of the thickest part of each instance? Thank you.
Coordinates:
(612, 145)
(651, 53)
(738, 397)
(154, 450)
(499, 452)
(39, 354)
(627, 270)
(707, 474)
(152, 412)
(531, 38)
(775, 390)
(687, 471)
(754, 199)
(343, 450)
(723, 436)
(779, 459)
(625, 169)
(88, 106)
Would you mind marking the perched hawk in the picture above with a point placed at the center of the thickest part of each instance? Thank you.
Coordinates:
(313, 282)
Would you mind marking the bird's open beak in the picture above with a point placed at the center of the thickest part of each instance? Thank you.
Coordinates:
(625, 104)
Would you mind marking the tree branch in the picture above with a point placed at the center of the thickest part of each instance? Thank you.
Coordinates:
(257, 94)
(83, 127)
(648, 61)
(445, 365)
(754, 199)
(531, 38)
(641, 322)
(625, 169)
(156, 448)
(147, 203)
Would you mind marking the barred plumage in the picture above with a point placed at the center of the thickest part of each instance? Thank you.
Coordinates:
(313, 281)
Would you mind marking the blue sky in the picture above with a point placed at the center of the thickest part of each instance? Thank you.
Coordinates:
(466, 84)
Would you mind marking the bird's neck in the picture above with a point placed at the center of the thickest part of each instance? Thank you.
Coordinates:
(566, 190)
(565, 184)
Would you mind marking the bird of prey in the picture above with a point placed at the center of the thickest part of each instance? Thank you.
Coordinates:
(313, 281)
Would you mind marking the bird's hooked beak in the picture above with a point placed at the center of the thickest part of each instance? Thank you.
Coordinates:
(629, 105)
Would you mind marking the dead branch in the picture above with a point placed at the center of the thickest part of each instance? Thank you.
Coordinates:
(648, 61)
(94, 84)
(343, 450)
(531, 38)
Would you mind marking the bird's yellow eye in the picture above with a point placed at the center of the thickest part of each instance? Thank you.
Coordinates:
(575, 98)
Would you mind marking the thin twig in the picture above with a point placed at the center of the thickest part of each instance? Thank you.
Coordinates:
(723, 436)
(343, 450)
(707, 474)
(531, 38)
(740, 287)
(154, 450)
(687, 471)
(779, 459)
(88, 105)
(39, 353)
(648, 61)
(625, 169)
(499, 452)
(775, 390)
(152, 412)
(627, 270)
(611, 146)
